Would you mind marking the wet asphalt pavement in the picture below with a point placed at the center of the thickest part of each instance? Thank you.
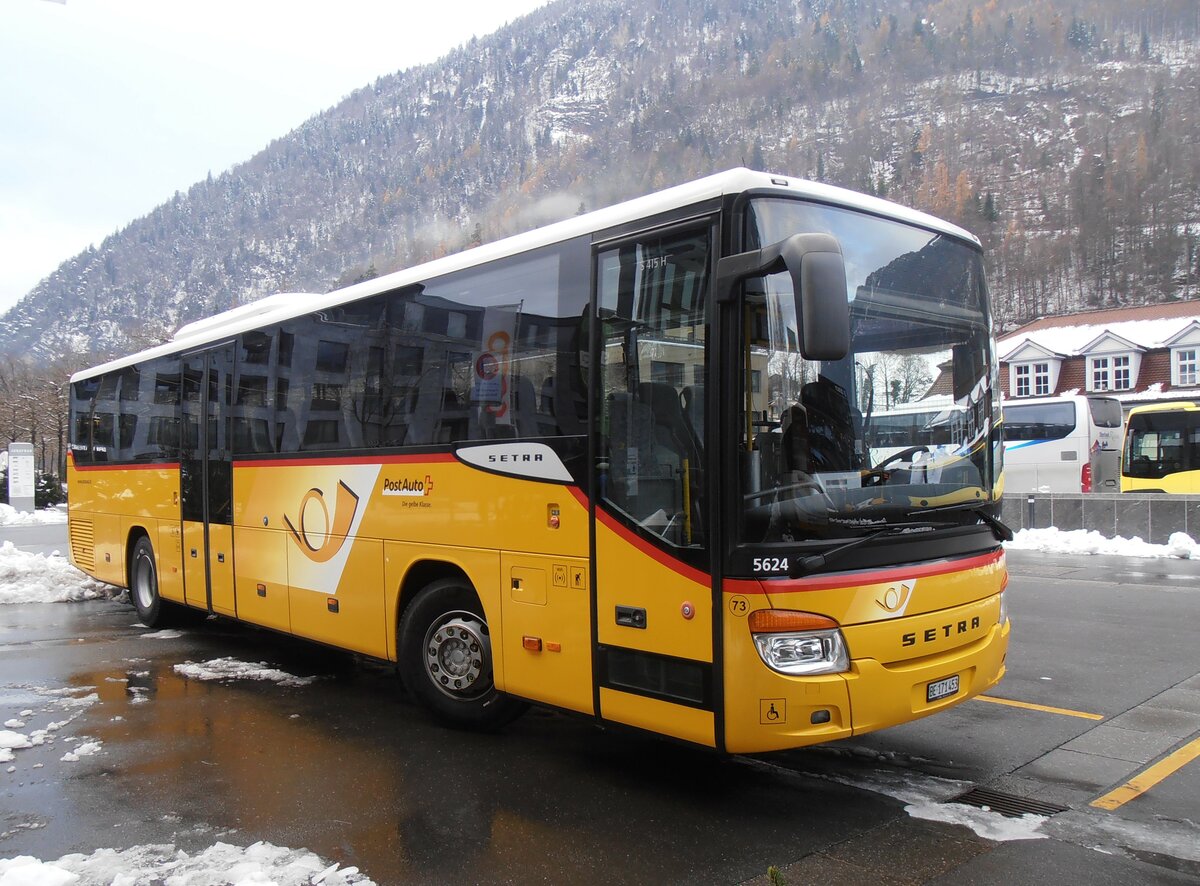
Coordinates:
(348, 768)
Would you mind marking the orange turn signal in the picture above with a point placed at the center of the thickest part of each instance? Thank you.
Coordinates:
(533, 644)
(779, 621)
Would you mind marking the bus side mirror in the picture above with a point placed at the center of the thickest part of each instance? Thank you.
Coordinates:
(818, 272)
(819, 282)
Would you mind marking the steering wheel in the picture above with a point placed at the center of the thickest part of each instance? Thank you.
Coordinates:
(877, 476)
(899, 456)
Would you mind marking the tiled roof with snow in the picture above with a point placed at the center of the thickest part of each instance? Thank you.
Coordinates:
(1148, 326)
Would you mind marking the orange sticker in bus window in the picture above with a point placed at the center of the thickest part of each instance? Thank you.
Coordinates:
(322, 545)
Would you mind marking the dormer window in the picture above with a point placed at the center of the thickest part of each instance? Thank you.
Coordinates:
(1033, 371)
(1113, 373)
(1186, 367)
(1032, 379)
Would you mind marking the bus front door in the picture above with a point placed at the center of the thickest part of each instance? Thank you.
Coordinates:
(206, 480)
(653, 596)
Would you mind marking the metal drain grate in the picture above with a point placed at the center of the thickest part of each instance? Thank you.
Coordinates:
(1007, 804)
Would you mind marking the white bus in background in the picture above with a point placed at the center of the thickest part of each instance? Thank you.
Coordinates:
(1062, 444)
(922, 428)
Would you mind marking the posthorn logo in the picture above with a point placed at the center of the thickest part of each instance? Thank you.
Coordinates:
(318, 534)
(895, 599)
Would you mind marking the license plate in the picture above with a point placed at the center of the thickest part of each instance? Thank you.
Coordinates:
(941, 688)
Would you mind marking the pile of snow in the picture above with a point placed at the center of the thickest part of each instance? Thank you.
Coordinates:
(232, 669)
(260, 863)
(10, 516)
(37, 578)
(161, 635)
(1085, 541)
(86, 749)
(72, 700)
(11, 741)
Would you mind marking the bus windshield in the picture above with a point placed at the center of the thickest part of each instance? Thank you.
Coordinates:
(1158, 444)
(907, 421)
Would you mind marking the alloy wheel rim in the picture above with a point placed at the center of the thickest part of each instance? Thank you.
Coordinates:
(457, 655)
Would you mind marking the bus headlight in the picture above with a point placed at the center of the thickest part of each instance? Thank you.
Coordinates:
(799, 643)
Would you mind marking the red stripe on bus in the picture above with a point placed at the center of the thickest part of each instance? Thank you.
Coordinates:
(857, 579)
(156, 466)
(650, 550)
(434, 458)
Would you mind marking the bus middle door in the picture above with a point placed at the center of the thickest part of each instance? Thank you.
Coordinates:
(206, 480)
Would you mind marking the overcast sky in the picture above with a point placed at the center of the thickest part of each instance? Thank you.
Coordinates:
(107, 107)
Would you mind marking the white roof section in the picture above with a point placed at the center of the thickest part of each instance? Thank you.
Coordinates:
(734, 181)
(1186, 334)
(1104, 343)
(1075, 340)
(270, 304)
(1028, 349)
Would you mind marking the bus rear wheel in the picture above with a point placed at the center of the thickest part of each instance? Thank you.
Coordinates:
(152, 610)
(143, 584)
(446, 658)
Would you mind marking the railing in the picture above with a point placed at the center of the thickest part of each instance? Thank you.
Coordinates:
(1151, 517)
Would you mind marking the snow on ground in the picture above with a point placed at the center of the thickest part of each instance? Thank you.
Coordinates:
(73, 701)
(232, 669)
(925, 797)
(1084, 541)
(260, 863)
(160, 635)
(10, 516)
(85, 749)
(37, 578)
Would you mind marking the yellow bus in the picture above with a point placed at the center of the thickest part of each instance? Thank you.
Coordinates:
(1162, 448)
(615, 466)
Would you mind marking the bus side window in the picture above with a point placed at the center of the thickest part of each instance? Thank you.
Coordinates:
(83, 395)
(651, 294)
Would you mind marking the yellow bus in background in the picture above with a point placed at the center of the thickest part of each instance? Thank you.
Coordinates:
(1162, 448)
(615, 466)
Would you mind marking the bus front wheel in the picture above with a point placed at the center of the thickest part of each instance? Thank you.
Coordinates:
(446, 658)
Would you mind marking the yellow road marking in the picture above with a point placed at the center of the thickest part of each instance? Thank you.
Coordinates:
(1149, 777)
(1039, 707)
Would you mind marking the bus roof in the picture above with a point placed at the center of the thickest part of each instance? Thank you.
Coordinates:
(275, 308)
(1170, 406)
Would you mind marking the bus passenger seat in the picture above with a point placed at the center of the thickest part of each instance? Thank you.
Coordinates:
(423, 421)
(525, 415)
(631, 451)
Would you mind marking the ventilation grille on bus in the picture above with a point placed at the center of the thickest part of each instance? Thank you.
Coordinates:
(1008, 805)
(83, 544)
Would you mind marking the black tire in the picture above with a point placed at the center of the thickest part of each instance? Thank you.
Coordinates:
(446, 658)
(143, 585)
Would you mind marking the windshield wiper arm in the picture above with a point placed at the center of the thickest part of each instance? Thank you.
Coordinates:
(1002, 530)
(802, 566)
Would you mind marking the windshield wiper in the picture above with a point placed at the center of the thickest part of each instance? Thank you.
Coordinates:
(1002, 530)
(801, 566)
